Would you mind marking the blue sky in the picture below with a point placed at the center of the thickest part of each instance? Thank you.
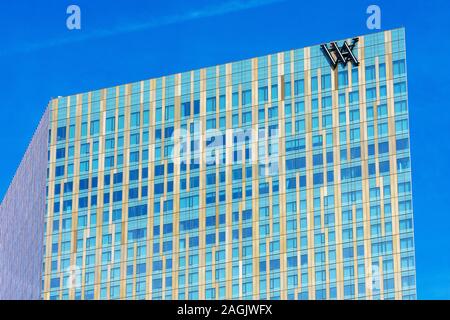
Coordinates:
(125, 41)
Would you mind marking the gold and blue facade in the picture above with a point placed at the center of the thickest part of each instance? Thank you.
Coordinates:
(276, 177)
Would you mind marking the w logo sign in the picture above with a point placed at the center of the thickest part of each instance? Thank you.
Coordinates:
(341, 55)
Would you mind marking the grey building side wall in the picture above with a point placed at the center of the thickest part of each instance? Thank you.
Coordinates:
(22, 214)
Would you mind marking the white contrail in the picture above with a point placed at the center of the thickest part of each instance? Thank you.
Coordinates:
(209, 11)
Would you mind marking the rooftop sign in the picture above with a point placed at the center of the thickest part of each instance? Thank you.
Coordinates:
(344, 54)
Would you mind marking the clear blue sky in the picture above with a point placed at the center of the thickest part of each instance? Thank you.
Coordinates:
(125, 41)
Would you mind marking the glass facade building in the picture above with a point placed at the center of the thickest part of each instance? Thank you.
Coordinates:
(22, 222)
(277, 177)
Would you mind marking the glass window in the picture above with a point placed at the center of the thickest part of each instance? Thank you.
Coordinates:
(370, 73)
(399, 67)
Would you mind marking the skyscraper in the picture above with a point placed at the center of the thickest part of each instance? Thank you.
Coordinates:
(285, 176)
